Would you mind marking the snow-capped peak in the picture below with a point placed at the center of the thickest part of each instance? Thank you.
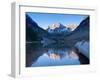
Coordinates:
(57, 28)
(71, 27)
(57, 25)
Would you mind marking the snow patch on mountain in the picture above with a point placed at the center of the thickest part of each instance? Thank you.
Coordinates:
(57, 28)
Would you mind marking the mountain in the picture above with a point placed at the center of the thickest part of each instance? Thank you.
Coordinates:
(33, 31)
(82, 30)
(57, 28)
(71, 27)
(80, 33)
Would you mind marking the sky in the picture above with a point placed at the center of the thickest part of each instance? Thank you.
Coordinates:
(46, 19)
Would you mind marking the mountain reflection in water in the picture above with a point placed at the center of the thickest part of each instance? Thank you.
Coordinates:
(37, 55)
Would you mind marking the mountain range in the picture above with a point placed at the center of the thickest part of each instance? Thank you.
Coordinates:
(56, 33)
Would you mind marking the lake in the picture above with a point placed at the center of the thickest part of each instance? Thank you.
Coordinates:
(38, 55)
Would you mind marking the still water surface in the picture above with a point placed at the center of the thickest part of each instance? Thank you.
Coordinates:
(52, 55)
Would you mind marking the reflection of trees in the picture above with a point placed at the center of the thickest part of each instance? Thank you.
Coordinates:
(32, 54)
(34, 51)
(75, 54)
